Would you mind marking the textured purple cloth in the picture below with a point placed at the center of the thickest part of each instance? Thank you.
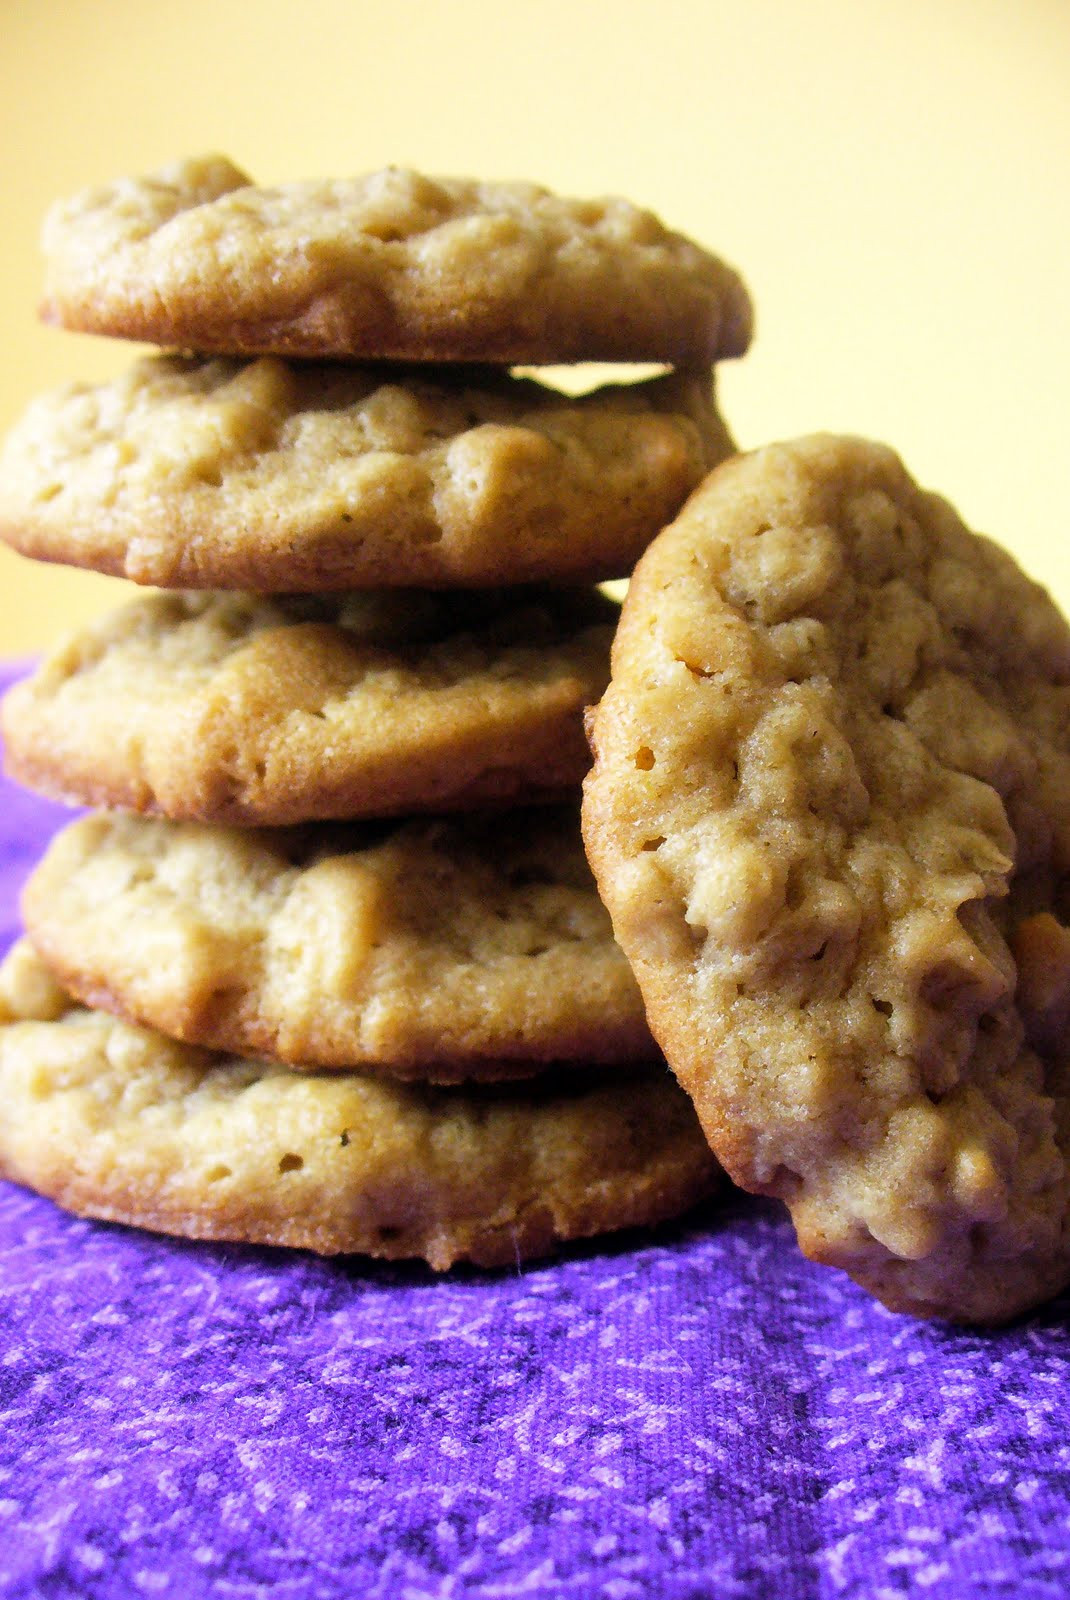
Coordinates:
(688, 1414)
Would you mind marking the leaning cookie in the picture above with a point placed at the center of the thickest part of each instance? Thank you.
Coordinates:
(475, 948)
(392, 265)
(120, 1123)
(245, 708)
(830, 815)
(272, 476)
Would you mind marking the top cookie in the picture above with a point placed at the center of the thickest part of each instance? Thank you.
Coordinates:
(388, 266)
(830, 816)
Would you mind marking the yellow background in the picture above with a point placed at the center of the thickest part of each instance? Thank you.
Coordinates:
(891, 176)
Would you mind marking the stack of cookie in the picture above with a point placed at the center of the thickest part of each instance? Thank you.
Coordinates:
(331, 968)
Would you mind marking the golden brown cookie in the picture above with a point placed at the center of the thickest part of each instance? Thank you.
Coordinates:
(392, 265)
(242, 708)
(119, 1122)
(476, 948)
(273, 476)
(830, 815)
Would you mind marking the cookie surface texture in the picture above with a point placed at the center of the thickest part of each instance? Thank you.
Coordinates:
(120, 1123)
(271, 476)
(243, 708)
(476, 948)
(392, 265)
(830, 815)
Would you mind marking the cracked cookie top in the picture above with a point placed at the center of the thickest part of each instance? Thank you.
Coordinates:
(830, 815)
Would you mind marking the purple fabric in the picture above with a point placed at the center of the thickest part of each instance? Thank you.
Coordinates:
(688, 1414)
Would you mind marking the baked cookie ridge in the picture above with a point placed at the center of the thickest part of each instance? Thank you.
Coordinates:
(830, 816)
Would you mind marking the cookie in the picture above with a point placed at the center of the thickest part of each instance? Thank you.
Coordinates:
(476, 948)
(830, 815)
(392, 265)
(119, 1122)
(241, 708)
(271, 476)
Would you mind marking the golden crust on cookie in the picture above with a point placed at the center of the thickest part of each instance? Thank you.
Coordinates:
(120, 1123)
(389, 266)
(474, 948)
(274, 476)
(245, 708)
(830, 815)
